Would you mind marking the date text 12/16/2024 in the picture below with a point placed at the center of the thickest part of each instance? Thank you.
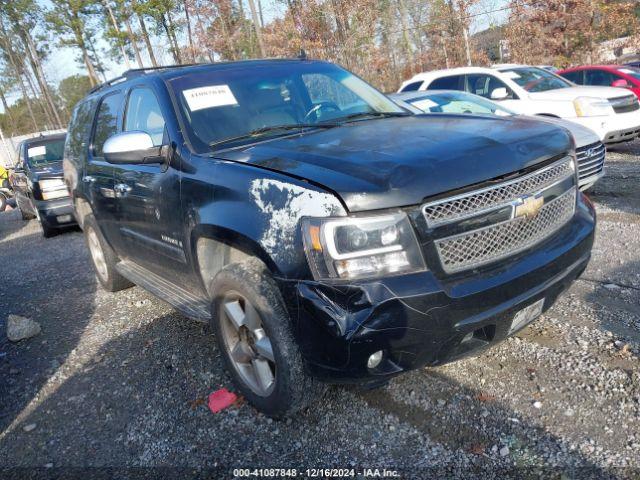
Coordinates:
(315, 473)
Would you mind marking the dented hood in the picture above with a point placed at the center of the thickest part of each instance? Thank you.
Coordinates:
(395, 162)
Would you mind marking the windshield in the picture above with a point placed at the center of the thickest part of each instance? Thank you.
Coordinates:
(45, 152)
(224, 106)
(457, 102)
(535, 79)
(631, 71)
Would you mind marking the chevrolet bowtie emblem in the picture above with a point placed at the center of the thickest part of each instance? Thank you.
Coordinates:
(529, 207)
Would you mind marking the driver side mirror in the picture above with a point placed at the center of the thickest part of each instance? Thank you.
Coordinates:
(499, 93)
(133, 148)
(620, 83)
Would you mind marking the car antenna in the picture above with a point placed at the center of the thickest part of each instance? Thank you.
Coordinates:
(302, 55)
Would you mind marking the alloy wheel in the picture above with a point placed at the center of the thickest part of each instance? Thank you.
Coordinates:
(97, 254)
(247, 343)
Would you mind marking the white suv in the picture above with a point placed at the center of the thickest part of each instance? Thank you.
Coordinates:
(613, 113)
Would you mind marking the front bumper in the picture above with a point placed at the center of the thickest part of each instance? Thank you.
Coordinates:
(588, 182)
(615, 128)
(422, 319)
(619, 136)
(56, 213)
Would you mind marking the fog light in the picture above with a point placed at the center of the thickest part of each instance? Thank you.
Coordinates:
(374, 359)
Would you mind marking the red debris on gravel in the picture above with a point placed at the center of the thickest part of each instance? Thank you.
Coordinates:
(221, 399)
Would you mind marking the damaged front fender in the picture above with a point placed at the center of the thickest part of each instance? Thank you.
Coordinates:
(351, 318)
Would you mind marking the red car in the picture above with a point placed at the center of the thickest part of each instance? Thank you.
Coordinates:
(622, 76)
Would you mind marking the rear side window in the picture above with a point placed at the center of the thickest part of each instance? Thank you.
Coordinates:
(144, 114)
(453, 82)
(600, 78)
(75, 148)
(575, 77)
(412, 87)
(106, 121)
(483, 84)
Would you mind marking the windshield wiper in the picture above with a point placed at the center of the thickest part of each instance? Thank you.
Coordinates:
(355, 116)
(262, 130)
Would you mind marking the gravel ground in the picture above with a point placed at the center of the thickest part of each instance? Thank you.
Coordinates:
(116, 381)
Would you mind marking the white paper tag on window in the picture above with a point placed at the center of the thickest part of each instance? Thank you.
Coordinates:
(37, 151)
(209, 97)
(425, 104)
(511, 74)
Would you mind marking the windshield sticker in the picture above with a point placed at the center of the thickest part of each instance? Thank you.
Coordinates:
(627, 71)
(511, 74)
(37, 151)
(425, 104)
(209, 97)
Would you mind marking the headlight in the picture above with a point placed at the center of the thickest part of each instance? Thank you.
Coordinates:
(53, 188)
(592, 107)
(361, 247)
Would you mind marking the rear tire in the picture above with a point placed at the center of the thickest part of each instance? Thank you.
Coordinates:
(25, 215)
(3, 202)
(103, 258)
(246, 294)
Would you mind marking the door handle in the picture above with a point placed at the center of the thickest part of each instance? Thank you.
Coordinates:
(88, 179)
(121, 189)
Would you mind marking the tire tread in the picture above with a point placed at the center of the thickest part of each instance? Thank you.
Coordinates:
(253, 279)
(115, 281)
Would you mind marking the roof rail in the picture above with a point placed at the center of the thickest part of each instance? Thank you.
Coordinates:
(136, 72)
(106, 84)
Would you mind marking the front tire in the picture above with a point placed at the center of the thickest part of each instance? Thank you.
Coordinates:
(3, 202)
(253, 332)
(103, 258)
(47, 231)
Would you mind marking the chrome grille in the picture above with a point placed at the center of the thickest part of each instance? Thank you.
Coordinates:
(482, 246)
(590, 160)
(625, 104)
(456, 208)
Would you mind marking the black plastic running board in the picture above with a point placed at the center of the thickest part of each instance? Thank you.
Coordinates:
(190, 304)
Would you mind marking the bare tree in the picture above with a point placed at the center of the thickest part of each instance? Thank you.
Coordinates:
(256, 26)
(139, 12)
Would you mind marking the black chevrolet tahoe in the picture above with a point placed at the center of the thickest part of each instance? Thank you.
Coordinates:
(38, 183)
(328, 235)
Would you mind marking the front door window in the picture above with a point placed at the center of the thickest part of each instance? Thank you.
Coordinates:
(144, 114)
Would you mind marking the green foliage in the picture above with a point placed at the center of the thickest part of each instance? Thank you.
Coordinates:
(69, 19)
(72, 89)
(18, 121)
(26, 13)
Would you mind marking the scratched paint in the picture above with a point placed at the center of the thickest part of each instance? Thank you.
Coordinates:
(285, 204)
